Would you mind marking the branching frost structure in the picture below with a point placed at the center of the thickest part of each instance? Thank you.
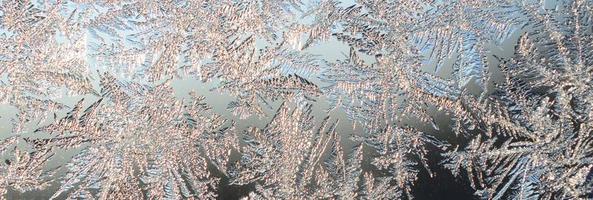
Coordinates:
(87, 91)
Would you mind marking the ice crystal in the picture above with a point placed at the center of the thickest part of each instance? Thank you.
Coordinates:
(536, 140)
(197, 99)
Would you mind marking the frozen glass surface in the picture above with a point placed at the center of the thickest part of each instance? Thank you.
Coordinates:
(296, 99)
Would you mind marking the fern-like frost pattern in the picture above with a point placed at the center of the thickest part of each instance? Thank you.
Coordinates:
(296, 99)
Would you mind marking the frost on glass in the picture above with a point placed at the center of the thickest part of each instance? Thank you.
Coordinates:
(296, 99)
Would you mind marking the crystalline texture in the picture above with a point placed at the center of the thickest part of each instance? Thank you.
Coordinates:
(197, 99)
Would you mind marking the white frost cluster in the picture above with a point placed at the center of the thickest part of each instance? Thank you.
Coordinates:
(496, 93)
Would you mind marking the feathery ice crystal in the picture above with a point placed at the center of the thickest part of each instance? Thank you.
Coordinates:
(495, 94)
